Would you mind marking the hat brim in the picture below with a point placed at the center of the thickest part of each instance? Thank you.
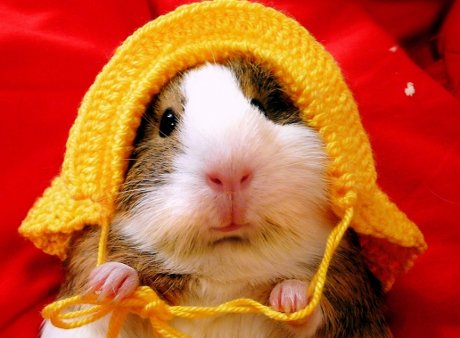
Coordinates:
(58, 216)
(390, 241)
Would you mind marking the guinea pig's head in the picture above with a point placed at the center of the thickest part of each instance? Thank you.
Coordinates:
(225, 171)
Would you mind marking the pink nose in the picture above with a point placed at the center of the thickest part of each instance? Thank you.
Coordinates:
(222, 181)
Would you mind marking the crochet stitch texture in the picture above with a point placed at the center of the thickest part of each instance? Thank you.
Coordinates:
(101, 139)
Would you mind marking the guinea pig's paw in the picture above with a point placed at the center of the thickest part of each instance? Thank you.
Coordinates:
(291, 296)
(113, 280)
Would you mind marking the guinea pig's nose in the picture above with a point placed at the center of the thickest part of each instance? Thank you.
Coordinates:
(229, 180)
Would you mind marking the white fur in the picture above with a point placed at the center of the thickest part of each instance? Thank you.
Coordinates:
(94, 330)
(133, 327)
(221, 129)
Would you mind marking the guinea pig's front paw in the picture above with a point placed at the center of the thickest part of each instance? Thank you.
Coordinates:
(291, 296)
(113, 280)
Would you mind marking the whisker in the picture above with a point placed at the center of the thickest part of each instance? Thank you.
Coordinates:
(134, 190)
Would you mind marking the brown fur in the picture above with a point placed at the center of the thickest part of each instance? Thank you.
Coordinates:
(83, 260)
(258, 83)
(353, 300)
(152, 155)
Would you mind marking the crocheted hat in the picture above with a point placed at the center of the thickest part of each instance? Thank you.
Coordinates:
(101, 139)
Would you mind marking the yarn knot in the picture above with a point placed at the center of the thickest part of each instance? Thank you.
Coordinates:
(155, 308)
(81, 310)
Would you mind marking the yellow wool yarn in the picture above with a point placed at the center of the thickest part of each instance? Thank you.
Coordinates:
(101, 139)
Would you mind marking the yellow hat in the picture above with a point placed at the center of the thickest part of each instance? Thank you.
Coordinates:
(101, 139)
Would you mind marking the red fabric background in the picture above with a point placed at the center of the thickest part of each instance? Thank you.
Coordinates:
(50, 52)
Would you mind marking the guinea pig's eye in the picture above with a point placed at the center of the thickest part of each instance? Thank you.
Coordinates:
(256, 103)
(168, 122)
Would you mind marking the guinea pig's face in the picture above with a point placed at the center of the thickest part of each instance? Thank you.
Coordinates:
(224, 167)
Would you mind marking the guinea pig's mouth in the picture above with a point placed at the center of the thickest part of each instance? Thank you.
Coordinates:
(230, 233)
(230, 239)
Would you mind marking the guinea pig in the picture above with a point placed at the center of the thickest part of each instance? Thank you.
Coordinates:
(226, 197)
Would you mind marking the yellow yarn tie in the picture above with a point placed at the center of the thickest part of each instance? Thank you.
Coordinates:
(145, 303)
(102, 248)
